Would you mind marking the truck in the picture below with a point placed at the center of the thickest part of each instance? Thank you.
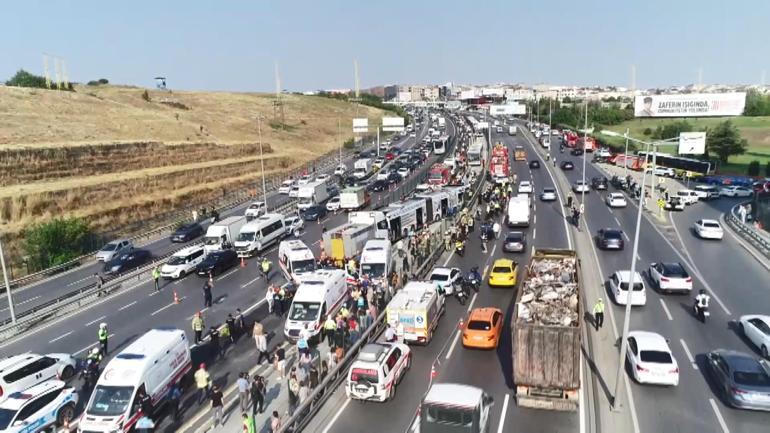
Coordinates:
(362, 168)
(354, 198)
(222, 235)
(415, 310)
(519, 154)
(512, 130)
(348, 240)
(312, 194)
(546, 331)
(570, 139)
(518, 211)
(439, 174)
(441, 123)
(588, 144)
(498, 169)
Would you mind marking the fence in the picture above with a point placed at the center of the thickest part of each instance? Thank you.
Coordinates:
(757, 238)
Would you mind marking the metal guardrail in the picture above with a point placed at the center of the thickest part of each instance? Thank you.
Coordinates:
(758, 239)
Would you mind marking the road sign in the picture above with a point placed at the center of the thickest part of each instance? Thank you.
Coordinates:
(361, 125)
(393, 124)
(692, 143)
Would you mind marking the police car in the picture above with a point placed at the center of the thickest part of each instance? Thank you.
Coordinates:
(37, 408)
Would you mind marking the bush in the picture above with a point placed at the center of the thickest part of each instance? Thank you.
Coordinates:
(55, 242)
(647, 131)
(23, 78)
(98, 82)
(753, 169)
(349, 143)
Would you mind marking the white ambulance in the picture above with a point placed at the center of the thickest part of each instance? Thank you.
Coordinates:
(318, 294)
(295, 260)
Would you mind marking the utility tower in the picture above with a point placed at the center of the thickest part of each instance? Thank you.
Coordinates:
(278, 102)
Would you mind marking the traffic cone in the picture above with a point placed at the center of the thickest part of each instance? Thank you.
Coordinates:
(243, 262)
(461, 325)
(176, 297)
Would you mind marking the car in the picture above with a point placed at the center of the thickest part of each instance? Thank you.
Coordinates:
(394, 178)
(333, 205)
(670, 277)
(651, 360)
(217, 262)
(314, 213)
(183, 262)
(126, 262)
(340, 170)
(20, 372)
(379, 162)
(756, 329)
(567, 165)
(534, 164)
(350, 181)
(403, 172)
(736, 191)
(707, 192)
(389, 156)
(610, 239)
(305, 179)
(581, 186)
(292, 223)
(285, 186)
(294, 191)
(674, 204)
(447, 278)
(616, 199)
(377, 370)
(333, 190)
(662, 171)
(43, 406)
(114, 249)
(412, 135)
(548, 194)
(619, 282)
(708, 229)
(322, 177)
(741, 379)
(503, 273)
(254, 210)
(599, 183)
(187, 232)
(377, 186)
(525, 187)
(383, 174)
(687, 196)
(483, 328)
(603, 153)
(515, 242)
(577, 152)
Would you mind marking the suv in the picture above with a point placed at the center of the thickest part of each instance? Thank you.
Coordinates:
(114, 249)
(377, 370)
(706, 192)
(20, 372)
(599, 183)
(183, 262)
(35, 409)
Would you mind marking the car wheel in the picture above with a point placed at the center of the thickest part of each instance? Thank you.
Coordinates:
(67, 373)
(181, 274)
(392, 393)
(65, 413)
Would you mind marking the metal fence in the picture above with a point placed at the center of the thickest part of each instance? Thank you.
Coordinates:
(757, 238)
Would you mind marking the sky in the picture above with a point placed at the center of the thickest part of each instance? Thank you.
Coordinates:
(235, 45)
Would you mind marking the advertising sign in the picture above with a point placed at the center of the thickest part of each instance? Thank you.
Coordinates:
(507, 109)
(692, 143)
(361, 125)
(392, 124)
(690, 105)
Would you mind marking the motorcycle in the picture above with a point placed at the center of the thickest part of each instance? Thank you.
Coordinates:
(700, 312)
(460, 249)
(473, 281)
(461, 296)
(89, 374)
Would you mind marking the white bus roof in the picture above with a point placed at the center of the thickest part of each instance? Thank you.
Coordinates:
(413, 295)
(126, 368)
(375, 250)
(452, 394)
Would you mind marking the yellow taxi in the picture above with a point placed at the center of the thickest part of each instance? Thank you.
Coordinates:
(503, 273)
(483, 328)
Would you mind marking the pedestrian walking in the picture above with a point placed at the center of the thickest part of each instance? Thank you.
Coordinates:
(217, 405)
(175, 395)
(275, 422)
(279, 362)
(103, 335)
(599, 313)
(304, 391)
(293, 393)
(215, 348)
(230, 325)
(265, 268)
(198, 325)
(202, 383)
(207, 286)
(257, 391)
(99, 283)
(269, 298)
(496, 229)
(156, 277)
(243, 391)
(249, 426)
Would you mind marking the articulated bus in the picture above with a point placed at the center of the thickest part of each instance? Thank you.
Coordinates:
(440, 145)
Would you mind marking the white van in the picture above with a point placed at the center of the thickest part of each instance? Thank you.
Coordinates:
(376, 260)
(456, 408)
(295, 259)
(415, 310)
(687, 196)
(319, 294)
(259, 234)
(153, 363)
(183, 262)
(518, 211)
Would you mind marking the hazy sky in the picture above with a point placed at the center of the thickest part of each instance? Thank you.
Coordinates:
(233, 45)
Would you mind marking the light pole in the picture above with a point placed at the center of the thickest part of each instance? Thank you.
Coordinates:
(262, 162)
(585, 141)
(625, 158)
(7, 285)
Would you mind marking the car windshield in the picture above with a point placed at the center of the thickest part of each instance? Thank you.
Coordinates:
(176, 260)
(446, 415)
(611, 234)
(675, 270)
(439, 277)
(246, 236)
(303, 265)
(212, 240)
(6, 415)
(110, 400)
(479, 325)
(304, 311)
(548, 191)
(373, 270)
(501, 269)
(752, 378)
(655, 356)
(513, 237)
(711, 225)
(110, 247)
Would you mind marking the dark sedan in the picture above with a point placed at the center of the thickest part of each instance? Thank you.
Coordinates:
(577, 152)
(394, 178)
(187, 232)
(567, 165)
(610, 239)
(314, 213)
(599, 183)
(217, 262)
(534, 164)
(126, 262)
(377, 186)
(740, 378)
(515, 242)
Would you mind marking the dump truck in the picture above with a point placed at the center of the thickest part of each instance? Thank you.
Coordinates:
(546, 331)
(519, 154)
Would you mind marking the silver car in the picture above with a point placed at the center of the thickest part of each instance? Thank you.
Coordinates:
(515, 242)
(114, 249)
(548, 194)
(742, 380)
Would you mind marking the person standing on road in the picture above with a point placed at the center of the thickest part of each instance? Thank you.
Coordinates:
(249, 425)
(265, 267)
(329, 326)
(198, 325)
(217, 405)
(243, 391)
(599, 313)
(156, 277)
(207, 294)
(103, 336)
(99, 283)
(174, 396)
(257, 391)
(202, 382)
(269, 298)
(496, 229)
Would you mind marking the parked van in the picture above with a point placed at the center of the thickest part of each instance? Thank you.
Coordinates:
(414, 311)
(259, 234)
(183, 262)
(449, 407)
(295, 259)
(376, 260)
(318, 294)
(152, 364)
(687, 196)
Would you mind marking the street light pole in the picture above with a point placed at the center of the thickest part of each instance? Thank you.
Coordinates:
(625, 157)
(262, 162)
(585, 141)
(7, 285)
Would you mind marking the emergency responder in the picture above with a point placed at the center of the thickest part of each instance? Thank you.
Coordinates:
(95, 355)
(265, 268)
(103, 336)
(198, 326)
(202, 383)
(156, 277)
(599, 313)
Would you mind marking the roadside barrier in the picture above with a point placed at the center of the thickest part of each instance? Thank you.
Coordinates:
(757, 238)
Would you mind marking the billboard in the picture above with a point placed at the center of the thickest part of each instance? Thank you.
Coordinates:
(361, 125)
(507, 109)
(690, 105)
(692, 143)
(392, 124)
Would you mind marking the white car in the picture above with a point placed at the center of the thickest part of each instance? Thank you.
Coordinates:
(183, 262)
(619, 282)
(525, 187)
(412, 135)
(708, 229)
(450, 162)
(304, 179)
(383, 174)
(447, 278)
(333, 204)
(294, 191)
(322, 178)
(651, 359)
(662, 171)
(736, 191)
(254, 210)
(404, 172)
(377, 370)
(616, 199)
(37, 408)
(706, 192)
(25, 371)
(293, 224)
(340, 170)
(285, 187)
(756, 328)
(670, 277)
(548, 194)
(114, 249)
(581, 186)
(603, 153)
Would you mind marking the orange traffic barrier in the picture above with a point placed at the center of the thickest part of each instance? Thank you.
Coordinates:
(176, 297)
(243, 262)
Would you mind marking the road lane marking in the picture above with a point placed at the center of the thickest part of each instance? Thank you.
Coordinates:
(473, 299)
(484, 274)
(94, 321)
(626, 236)
(337, 415)
(665, 308)
(493, 250)
(199, 311)
(60, 337)
(534, 233)
(222, 277)
(243, 286)
(617, 220)
(449, 257)
(719, 416)
(687, 352)
(501, 424)
(78, 281)
(167, 306)
(454, 343)
(127, 306)
(91, 346)
(21, 303)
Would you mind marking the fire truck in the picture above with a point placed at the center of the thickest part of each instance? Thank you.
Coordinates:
(570, 139)
(588, 144)
(439, 174)
(498, 164)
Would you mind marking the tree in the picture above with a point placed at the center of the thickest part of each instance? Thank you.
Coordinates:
(55, 242)
(23, 78)
(757, 104)
(647, 131)
(725, 140)
(671, 130)
(753, 169)
(767, 169)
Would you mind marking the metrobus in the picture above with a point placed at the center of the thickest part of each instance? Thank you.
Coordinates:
(474, 153)
(440, 145)
(678, 162)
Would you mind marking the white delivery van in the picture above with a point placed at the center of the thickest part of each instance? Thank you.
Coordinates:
(319, 293)
(449, 407)
(362, 168)
(376, 260)
(518, 211)
(183, 262)
(153, 363)
(414, 311)
(311, 194)
(259, 234)
(295, 259)
(221, 235)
